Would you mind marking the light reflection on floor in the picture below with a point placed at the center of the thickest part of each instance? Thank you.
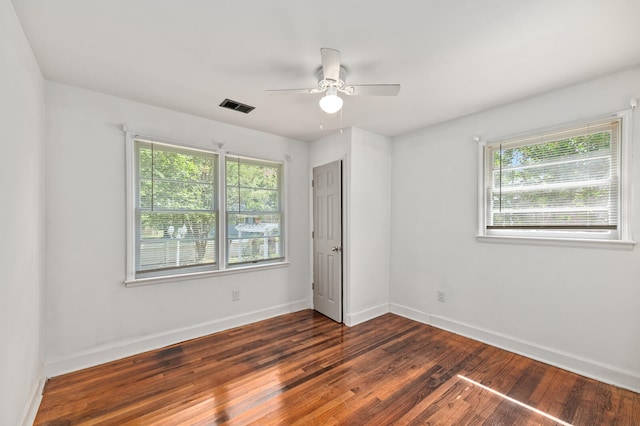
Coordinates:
(515, 401)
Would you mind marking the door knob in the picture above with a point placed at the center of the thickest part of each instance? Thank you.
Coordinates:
(336, 248)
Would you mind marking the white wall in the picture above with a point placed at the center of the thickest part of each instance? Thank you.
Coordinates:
(91, 316)
(366, 218)
(573, 307)
(370, 229)
(22, 119)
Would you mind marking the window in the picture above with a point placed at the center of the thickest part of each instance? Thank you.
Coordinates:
(254, 211)
(175, 209)
(563, 183)
(175, 223)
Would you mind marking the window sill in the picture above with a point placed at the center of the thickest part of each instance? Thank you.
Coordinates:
(559, 242)
(195, 275)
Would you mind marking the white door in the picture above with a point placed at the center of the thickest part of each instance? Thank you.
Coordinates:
(327, 240)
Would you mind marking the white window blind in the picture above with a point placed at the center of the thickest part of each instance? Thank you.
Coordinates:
(567, 180)
(254, 211)
(176, 212)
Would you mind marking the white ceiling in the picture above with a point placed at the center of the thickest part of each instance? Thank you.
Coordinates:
(452, 57)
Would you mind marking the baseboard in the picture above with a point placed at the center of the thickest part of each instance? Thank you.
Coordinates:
(33, 403)
(366, 315)
(414, 314)
(580, 365)
(301, 305)
(117, 350)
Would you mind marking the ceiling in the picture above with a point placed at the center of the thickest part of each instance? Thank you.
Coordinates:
(452, 57)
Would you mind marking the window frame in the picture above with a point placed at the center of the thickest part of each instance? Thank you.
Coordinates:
(572, 237)
(221, 265)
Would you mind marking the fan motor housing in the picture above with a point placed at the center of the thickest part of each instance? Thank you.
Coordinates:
(324, 83)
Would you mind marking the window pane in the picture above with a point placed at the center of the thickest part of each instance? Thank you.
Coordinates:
(171, 240)
(175, 179)
(253, 237)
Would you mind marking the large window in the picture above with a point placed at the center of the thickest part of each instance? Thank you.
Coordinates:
(176, 213)
(563, 183)
(193, 211)
(254, 211)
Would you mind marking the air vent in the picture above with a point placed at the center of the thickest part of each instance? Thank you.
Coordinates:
(236, 106)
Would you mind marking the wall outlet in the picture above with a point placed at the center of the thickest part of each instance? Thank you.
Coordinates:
(441, 296)
(235, 295)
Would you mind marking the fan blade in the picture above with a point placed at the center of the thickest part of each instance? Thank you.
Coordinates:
(330, 64)
(373, 90)
(293, 91)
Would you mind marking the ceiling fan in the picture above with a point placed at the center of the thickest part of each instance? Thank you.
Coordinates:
(332, 78)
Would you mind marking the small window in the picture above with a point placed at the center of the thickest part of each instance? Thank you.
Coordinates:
(254, 211)
(175, 210)
(564, 183)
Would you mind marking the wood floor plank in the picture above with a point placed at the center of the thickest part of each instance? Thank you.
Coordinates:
(305, 369)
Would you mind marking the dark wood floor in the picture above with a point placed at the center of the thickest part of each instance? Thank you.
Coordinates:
(304, 369)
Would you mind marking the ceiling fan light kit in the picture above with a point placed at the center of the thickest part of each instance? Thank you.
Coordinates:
(331, 102)
(331, 80)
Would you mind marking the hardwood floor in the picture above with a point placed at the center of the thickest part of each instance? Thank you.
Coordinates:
(304, 369)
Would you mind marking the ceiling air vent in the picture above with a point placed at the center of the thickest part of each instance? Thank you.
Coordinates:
(236, 106)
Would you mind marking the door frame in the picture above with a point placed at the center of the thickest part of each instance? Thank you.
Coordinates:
(345, 229)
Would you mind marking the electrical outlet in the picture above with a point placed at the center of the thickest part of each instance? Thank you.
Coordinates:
(441, 296)
(235, 295)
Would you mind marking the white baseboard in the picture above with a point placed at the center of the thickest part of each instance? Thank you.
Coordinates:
(33, 403)
(366, 315)
(106, 353)
(301, 305)
(580, 365)
(414, 314)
